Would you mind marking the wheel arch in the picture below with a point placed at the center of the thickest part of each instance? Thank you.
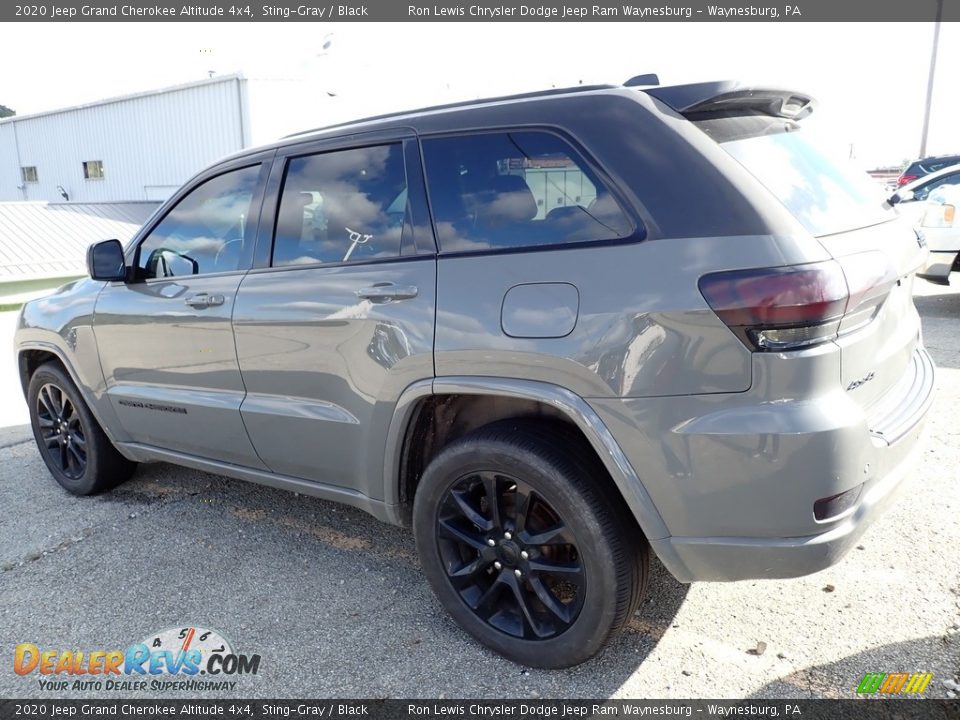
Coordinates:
(30, 358)
(491, 399)
(34, 354)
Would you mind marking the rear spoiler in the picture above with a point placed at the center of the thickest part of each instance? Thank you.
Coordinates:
(728, 97)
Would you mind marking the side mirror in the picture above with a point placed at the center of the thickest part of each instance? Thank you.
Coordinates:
(105, 261)
(901, 196)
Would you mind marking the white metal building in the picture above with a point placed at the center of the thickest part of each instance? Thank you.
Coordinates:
(132, 148)
(43, 245)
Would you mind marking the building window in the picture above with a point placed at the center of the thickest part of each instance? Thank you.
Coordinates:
(28, 174)
(93, 169)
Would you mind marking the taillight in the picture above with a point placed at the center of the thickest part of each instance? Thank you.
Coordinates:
(787, 308)
(904, 179)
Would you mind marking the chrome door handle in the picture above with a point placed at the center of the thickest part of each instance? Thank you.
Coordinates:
(387, 292)
(202, 300)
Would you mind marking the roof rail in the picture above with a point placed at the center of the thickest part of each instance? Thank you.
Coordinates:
(460, 104)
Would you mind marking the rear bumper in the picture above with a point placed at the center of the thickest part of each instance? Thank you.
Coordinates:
(736, 486)
(743, 558)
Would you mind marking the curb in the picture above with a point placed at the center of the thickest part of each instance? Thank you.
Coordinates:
(15, 435)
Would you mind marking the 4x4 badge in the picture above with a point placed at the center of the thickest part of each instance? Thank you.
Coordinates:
(862, 381)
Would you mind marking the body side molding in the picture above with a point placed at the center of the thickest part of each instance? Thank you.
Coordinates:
(147, 453)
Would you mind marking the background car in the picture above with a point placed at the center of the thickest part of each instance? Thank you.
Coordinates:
(918, 168)
(940, 230)
(919, 189)
(929, 203)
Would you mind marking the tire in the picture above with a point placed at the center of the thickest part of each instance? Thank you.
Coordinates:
(71, 442)
(555, 573)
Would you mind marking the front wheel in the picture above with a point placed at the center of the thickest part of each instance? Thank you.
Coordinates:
(74, 447)
(526, 546)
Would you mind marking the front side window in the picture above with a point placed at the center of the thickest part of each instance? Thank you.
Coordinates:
(208, 231)
(516, 189)
(342, 206)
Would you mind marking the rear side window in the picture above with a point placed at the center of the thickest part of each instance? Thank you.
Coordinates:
(827, 196)
(342, 206)
(516, 189)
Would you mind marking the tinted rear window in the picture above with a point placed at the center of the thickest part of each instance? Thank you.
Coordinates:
(826, 195)
(940, 164)
(505, 190)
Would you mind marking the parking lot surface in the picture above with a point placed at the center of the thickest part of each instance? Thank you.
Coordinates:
(334, 603)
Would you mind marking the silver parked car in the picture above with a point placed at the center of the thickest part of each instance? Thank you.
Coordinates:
(552, 332)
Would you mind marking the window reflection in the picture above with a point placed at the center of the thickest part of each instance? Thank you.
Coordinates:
(513, 190)
(208, 230)
(342, 206)
(825, 196)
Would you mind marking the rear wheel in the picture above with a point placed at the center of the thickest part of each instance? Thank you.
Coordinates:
(526, 546)
(71, 442)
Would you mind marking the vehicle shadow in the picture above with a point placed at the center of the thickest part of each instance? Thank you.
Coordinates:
(945, 304)
(339, 580)
(939, 309)
(938, 655)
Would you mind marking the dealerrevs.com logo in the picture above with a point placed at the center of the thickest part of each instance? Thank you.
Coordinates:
(179, 659)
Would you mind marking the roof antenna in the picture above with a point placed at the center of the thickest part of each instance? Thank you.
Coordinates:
(648, 79)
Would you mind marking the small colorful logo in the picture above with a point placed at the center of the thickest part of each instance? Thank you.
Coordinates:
(894, 683)
(186, 652)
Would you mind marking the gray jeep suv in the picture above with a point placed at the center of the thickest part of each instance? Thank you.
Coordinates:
(552, 332)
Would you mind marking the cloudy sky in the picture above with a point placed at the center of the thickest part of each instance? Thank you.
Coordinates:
(870, 79)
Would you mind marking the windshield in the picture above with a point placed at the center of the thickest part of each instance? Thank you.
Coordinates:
(826, 195)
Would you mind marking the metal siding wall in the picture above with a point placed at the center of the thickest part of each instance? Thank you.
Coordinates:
(155, 141)
(9, 167)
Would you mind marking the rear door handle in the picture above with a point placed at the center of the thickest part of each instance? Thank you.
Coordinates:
(387, 292)
(202, 300)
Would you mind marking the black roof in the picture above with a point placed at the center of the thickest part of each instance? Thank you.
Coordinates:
(949, 156)
(553, 92)
(697, 97)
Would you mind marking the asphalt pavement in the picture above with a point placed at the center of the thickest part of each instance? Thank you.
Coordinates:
(334, 603)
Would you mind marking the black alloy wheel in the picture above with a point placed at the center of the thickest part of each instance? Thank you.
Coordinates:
(72, 444)
(62, 432)
(528, 544)
(510, 556)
